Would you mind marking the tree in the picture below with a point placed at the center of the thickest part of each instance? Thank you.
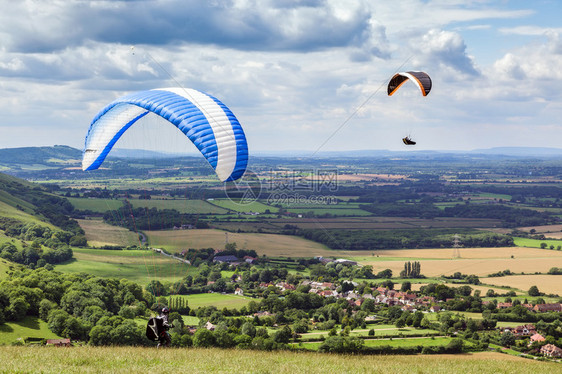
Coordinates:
(203, 338)
(75, 329)
(283, 335)
(341, 344)
(386, 273)
(534, 291)
(248, 329)
(455, 345)
(17, 309)
(406, 286)
(507, 339)
(100, 335)
(57, 321)
(45, 306)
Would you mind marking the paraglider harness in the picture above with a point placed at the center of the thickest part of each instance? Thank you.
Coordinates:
(157, 329)
(408, 141)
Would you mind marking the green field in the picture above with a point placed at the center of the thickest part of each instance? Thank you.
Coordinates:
(95, 205)
(380, 331)
(216, 299)
(395, 342)
(198, 360)
(181, 205)
(29, 327)
(242, 207)
(138, 266)
(536, 243)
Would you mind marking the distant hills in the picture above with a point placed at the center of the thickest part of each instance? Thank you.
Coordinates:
(64, 156)
(39, 155)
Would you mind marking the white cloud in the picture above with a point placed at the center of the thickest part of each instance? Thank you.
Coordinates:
(293, 71)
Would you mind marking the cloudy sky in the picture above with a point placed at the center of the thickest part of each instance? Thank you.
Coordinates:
(299, 74)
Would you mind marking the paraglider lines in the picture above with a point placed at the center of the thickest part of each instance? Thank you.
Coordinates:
(356, 110)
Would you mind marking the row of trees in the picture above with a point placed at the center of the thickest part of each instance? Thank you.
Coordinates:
(136, 219)
(397, 239)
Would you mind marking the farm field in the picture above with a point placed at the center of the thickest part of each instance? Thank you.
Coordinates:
(138, 266)
(478, 261)
(536, 243)
(199, 360)
(332, 210)
(482, 288)
(29, 327)
(181, 205)
(359, 223)
(549, 284)
(99, 233)
(380, 331)
(254, 206)
(95, 205)
(270, 244)
(549, 231)
(216, 299)
(394, 342)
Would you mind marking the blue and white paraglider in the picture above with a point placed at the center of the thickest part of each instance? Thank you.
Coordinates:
(206, 121)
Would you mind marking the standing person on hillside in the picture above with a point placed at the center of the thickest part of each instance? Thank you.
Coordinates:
(164, 339)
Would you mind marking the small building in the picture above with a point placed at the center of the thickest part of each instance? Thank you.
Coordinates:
(525, 330)
(504, 305)
(209, 326)
(550, 350)
(239, 292)
(229, 259)
(536, 338)
(59, 342)
(344, 261)
(552, 307)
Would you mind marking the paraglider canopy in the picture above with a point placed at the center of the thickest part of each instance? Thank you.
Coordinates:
(421, 79)
(206, 121)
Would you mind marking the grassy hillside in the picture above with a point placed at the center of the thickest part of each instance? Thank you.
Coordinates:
(143, 360)
(99, 233)
(138, 266)
(4, 265)
(29, 327)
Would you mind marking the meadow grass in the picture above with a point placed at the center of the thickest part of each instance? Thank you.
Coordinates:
(200, 360)
(29, 327)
